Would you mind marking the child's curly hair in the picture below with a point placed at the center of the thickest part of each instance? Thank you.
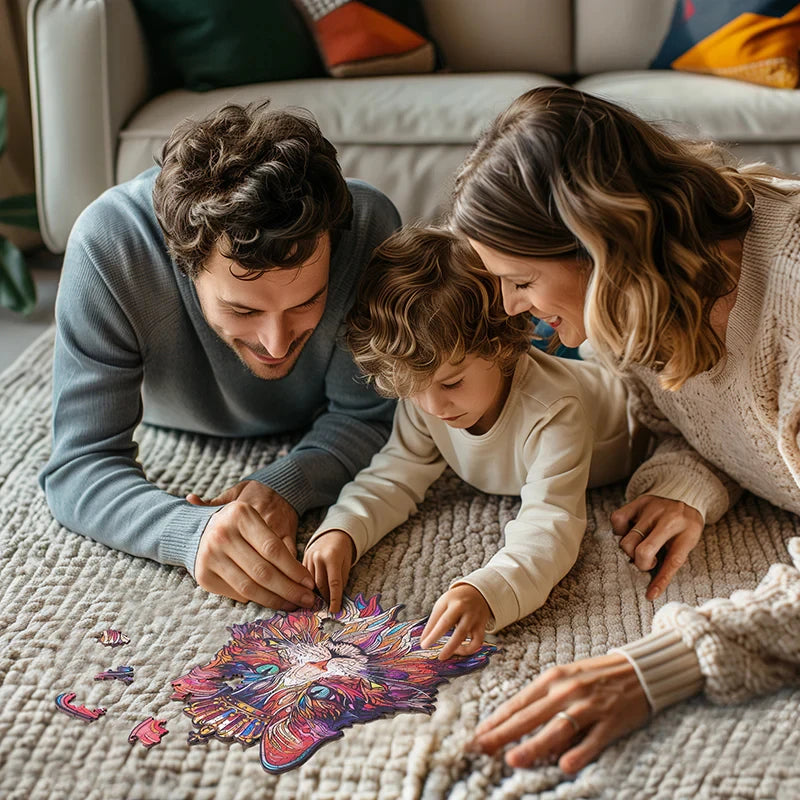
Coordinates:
(425, 299)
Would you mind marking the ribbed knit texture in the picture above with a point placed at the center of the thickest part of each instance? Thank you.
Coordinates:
(58, 588)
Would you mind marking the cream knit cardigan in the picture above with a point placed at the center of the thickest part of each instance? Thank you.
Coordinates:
(734, 427)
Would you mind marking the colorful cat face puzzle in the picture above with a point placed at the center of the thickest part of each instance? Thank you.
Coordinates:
(111, 638)
(65, 704)
(149, 732)
(298, 678)
(124, 674)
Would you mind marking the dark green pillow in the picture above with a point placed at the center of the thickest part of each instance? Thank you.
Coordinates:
(207, 44)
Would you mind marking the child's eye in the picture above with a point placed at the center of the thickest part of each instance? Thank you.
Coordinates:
(453, 385)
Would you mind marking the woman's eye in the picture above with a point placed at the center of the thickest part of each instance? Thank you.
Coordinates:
(452, 385)
(522, 286)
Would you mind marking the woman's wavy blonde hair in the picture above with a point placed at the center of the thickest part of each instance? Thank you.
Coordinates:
(425, 300)
(563, 173)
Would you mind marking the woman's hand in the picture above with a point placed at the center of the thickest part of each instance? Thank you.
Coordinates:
(464, 610)
(329, 559)
(646, 525)
(576, 711)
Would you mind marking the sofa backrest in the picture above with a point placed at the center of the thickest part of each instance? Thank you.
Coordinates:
(619, 34)
(504, 35)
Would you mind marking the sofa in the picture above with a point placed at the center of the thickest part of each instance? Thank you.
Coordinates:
(97, 121)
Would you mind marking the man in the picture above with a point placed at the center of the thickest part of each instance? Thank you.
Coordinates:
(207, 296)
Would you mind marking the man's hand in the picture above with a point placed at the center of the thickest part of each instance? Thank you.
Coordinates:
(464, 608)
(274, 510)
(247, 551)
(329, 559)
(646, 525)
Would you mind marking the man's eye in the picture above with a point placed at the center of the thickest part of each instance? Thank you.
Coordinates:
(453, 385)
(243, 313)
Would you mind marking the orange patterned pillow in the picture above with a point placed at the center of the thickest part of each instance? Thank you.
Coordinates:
(370, 37)
(743, 39)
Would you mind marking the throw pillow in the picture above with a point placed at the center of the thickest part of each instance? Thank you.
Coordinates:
(750, 40)
(371, 37)
(207, 44)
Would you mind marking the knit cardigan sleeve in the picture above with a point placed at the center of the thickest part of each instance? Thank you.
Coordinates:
(675, 470)
(733, 649)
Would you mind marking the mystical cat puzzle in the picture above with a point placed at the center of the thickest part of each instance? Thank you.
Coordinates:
(294, 680)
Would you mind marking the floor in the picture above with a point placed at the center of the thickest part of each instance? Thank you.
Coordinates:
(17, 331)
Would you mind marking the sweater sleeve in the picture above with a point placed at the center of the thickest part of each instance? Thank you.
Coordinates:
(734, 649)
(542, 542)
(93, 481)
(354, 425)
(675, 470)
(387, 492)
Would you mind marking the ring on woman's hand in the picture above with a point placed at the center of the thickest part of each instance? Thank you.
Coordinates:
(637, 531)
(569, 718)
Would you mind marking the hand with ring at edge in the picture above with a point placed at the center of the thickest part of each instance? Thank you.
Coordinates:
(573, 712)
(657, 534)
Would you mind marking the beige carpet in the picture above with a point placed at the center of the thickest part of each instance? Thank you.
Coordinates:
(57, 589)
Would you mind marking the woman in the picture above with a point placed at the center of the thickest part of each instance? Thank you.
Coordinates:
(684, 274)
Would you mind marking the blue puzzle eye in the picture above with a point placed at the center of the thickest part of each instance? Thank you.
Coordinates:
(267, 669)
(319, 692)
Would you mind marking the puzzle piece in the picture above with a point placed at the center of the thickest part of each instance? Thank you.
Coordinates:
(111, 638)
(65, 704)
(149, 732)
(124, 674)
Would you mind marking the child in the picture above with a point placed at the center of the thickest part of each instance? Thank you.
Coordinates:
(428, 326)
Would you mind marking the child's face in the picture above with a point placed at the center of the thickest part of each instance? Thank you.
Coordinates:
(468, 395)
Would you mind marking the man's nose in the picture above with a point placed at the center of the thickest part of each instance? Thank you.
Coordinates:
(275, 335)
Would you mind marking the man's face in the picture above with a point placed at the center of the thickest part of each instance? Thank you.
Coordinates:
(265, 320)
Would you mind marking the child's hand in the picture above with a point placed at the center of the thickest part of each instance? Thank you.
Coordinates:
(329, 559)
(464, 608)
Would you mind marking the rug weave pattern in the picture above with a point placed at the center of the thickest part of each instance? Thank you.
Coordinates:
(57, 588)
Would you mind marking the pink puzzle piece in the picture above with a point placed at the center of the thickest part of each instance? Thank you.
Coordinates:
(149, 732)
(111, 638)
(65, 704)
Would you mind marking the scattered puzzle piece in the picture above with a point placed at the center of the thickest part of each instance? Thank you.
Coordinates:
(149, 732)
(111, 638)
(124, 674)
(64, 703)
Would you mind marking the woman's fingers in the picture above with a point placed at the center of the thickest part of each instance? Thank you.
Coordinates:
(521, 700)
(676, 557)
(623, 518)
(598, 737)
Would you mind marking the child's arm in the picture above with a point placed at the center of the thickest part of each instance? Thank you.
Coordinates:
(384, 494)
(542, 542)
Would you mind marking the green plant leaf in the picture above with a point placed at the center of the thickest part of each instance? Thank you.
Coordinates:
(17, 290)
(20, 211)
(3, 116)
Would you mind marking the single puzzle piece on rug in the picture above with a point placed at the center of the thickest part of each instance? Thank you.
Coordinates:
(300, 677)
(124, 674)
(149, 732)
(111, 638)
(65, 704)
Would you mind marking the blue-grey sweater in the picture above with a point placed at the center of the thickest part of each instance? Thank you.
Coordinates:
(132, 344)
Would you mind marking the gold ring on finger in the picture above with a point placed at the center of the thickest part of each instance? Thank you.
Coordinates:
(569, 718)
(638, 532)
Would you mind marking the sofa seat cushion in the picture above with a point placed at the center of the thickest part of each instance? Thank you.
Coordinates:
(406, 135)
(704, 105)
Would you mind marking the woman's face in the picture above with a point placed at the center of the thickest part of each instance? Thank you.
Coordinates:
(552, 289)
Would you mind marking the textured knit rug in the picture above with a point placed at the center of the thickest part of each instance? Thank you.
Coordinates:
(58, 588)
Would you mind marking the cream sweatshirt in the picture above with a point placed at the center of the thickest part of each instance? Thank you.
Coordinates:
(733, 427)
(563, 426)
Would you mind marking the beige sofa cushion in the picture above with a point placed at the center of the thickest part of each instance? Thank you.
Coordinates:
(406, 135)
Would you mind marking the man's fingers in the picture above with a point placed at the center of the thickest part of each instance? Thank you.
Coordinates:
(232, 581)
(196, 500)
